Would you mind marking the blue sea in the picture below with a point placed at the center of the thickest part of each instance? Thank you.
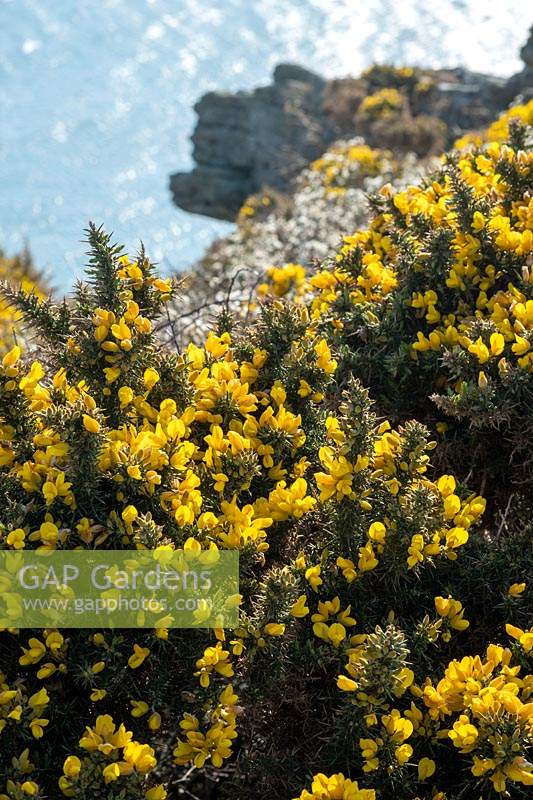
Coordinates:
(96, 98)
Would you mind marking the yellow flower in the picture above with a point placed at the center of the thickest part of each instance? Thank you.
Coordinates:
(15, 539)
(480, 350)
(426, 768)
(29, 788)
(140, 756)
(482, 380)
(452, 505)
(112, 374)
(37, 726)
(11, 357)
(56, 486)
(415, 550)
(39, 699)
(151, 377)
(274, 629)
(497, 344)
(129, 514)
(369, 749)
(138, 657)
(452, 611)
(324, 360)
(214, 659)
(456, 537)
(72, 766)
(105, 737)
(524, 638)
(516, 589)
(521, 345)
(377, 532)
(46, 671)
(34, 653)
(90, 424)
(348, 568)
(346, 684)
(334, 633)
(154, 721)
(404, 679)
(125, 395)
(111, 773)
(463, 735)
(312, 576)
(367, 558)
(139, 708)
(335, 787)
(398, 727)
(299, 608)
(156, 793)
(403, 753)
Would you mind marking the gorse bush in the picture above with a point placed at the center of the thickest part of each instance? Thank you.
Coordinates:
(432, 306)
(499, 130)
(392, 112)
(383, 647)
(17, 270)
(409, 109)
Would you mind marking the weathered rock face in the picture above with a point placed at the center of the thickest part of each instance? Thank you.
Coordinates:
(251, 140)
(248, 140)
(465, 100)
(526, 53)
(522, 83)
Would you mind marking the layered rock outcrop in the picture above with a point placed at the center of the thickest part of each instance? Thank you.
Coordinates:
(246, 141)
(522, 82)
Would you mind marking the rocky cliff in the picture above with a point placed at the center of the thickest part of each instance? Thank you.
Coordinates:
(246, 141)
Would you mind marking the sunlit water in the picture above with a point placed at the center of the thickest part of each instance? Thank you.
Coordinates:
(96, 98)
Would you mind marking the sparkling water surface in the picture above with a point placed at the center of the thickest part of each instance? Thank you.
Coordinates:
(96, 98)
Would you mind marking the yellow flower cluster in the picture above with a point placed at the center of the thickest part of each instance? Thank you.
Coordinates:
(25, 786)
(387, 469)
(335, 787)
(375, 281)
(495, 325)
(116, 755)
(489, 705)
(505, 310)
(252, 205)
(452, 613)
(259, 436)
(281, 280)
(382, 103)
(482, 706)
(336, 166)
(17, 708)
(499, 130)
(388, 73)
(391, 743)
(215, 744)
